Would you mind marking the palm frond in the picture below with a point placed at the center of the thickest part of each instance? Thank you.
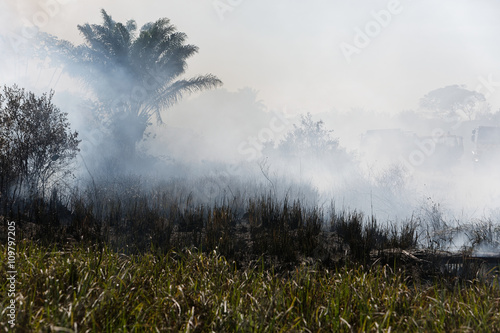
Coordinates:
(131, 26)
(115, 61)
(170, 94)
(108, 21)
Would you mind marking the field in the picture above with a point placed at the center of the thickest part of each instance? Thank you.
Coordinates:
(160, 260)
(323, 168)
(91, 289)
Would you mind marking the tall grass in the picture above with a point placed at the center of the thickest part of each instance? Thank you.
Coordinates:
(133, 216)
(92, 289)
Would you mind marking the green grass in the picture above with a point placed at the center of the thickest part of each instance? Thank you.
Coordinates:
(88, 289)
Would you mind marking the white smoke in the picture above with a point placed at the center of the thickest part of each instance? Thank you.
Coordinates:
(288, 53)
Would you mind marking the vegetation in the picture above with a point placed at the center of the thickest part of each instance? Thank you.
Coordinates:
(309, 136)
(308, 152)
(122, 254)
(92, 289)
(455, 102)
(36, 144)
(133, 219)
(134, 75)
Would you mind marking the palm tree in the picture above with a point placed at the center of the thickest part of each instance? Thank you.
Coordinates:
(133, 75)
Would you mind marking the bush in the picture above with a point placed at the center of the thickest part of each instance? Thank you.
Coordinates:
(36, 144)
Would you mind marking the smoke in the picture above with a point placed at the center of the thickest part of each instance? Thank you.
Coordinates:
(360, 67)
(291, 54)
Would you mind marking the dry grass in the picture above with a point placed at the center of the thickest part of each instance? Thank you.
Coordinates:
(92, 290)
(129, 259)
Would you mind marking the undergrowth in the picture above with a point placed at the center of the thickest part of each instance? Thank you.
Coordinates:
(92, 289)
(113, 259)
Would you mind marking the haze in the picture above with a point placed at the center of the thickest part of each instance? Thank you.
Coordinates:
(322, 57)
(289, 51)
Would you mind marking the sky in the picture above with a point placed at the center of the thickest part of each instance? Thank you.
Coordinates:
(307, 56)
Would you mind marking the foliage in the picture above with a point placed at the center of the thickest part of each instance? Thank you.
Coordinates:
(452, 102)
(131, 265)
(309, 137)
(36, 144)
(91, 289)
(309, 152)
(167, 216)
(134, 74)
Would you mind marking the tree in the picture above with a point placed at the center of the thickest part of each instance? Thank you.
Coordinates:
(309, 137)
(309, 153)
(133, 76)
(36, 144)
(310, 144)
(454, 102)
